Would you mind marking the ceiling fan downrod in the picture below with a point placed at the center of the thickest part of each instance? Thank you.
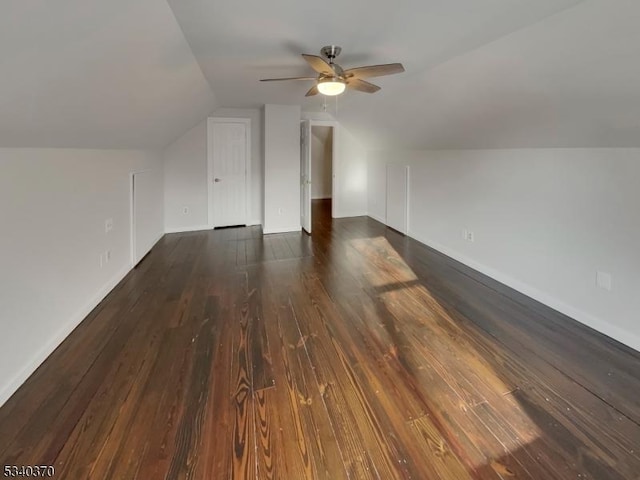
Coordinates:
(330, 52)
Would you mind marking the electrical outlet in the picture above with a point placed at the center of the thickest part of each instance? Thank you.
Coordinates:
(107, 256)
(108, 225)
(471, 237)
(280, 210)
(604, 280)
(185, 210)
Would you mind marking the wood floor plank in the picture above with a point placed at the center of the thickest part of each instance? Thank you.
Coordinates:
(262, 370)
(175, 426)
(266, 430)
(252, 249)
(289, 446)
(125, 445)
(436, 452)
(475, 381)
(343, 398)
(243, 438)
(268, 253)
(217, 430)
(324, 453)
(551, 380)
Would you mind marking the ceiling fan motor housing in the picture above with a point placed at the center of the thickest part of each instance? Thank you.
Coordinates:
(330, 51)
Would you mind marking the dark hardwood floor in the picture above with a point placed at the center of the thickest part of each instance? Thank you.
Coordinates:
(355, 353)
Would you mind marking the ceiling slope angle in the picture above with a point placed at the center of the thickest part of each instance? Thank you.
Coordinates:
(237, 44)
(96, 74)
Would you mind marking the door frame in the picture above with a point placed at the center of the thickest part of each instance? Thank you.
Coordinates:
(334, 159)
(211, 121)
(306, 164)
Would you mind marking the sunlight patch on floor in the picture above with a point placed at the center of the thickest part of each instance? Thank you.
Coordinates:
(455, 371)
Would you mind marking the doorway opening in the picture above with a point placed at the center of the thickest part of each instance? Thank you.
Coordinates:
(321, 168)
(317, 172)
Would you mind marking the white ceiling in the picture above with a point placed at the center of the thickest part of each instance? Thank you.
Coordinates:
(97, 74)
(572, 80)
(480, 73)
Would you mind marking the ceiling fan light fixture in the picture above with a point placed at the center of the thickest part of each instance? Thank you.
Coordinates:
(332, 79)
(331, 86)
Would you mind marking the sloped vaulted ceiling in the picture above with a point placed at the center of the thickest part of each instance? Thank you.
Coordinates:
(480, 73)
(96, 74)
(571, 80)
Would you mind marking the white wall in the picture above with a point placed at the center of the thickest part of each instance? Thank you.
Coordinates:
(53, 207)
(185, 163)
(185, 181)
(545, 220)
(350, 176)
(282, 168)
(148, 212)
(321, 159)
(377, 184)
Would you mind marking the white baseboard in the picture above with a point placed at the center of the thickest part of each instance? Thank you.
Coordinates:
(198, 228)
(376, 217)
(193, 228)
(269, 231)
(623, 336)
(343, 214)
(12, 385)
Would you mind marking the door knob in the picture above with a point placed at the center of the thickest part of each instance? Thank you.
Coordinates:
(216, 180)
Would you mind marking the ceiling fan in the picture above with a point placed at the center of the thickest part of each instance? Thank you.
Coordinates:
(332, 79)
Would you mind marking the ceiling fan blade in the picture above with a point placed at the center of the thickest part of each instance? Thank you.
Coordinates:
(375, 70)
(318, 64)
(362, 86)
(312, 91)
(287, 78)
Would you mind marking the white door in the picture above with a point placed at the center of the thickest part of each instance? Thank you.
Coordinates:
(305, 175)
(397, 197)
(228, 143)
